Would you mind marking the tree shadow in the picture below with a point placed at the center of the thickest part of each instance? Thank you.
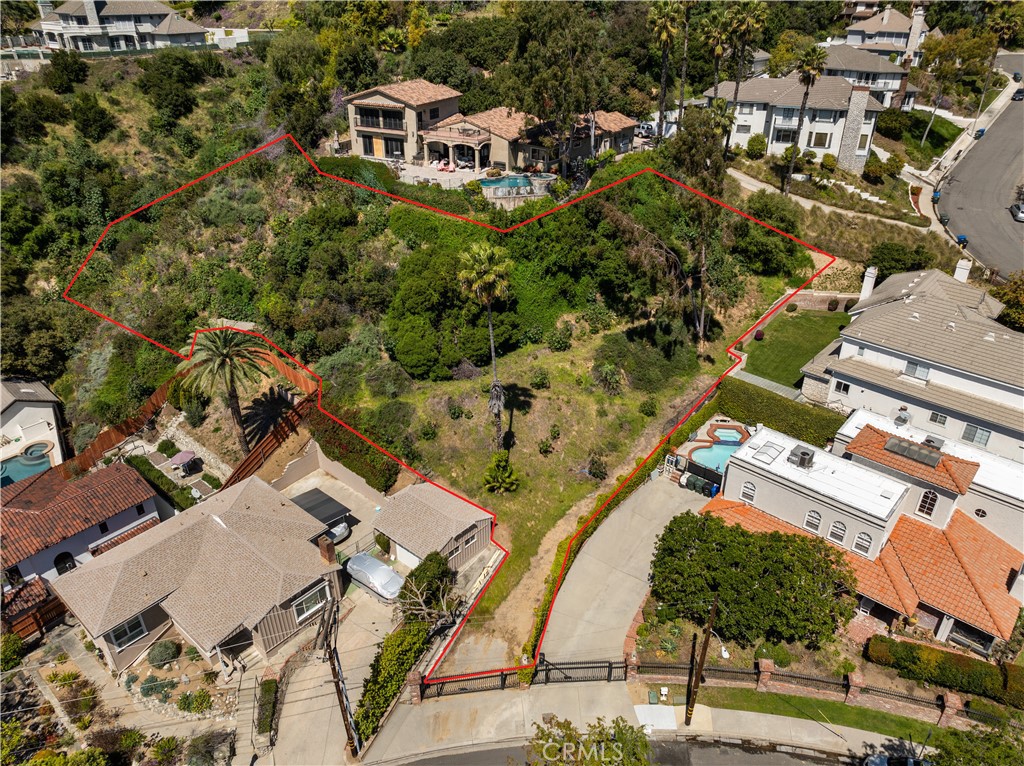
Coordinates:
(264, 412)
(518, 399)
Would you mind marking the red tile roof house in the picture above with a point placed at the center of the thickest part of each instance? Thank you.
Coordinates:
(246, 567)
(892, 509)
(50, 525)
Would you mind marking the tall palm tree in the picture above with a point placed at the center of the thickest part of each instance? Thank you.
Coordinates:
(809, 70)
(687, 6)
(715, 31)
(485, 277)
(746, 20)
(225, 360)
(664, 20)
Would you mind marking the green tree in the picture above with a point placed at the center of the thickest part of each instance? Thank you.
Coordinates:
(896, 258)
(484, 276)
(1006, 23)
(687, 6)
(500, 476)
(13, 742)
(997, 746)
(561, 743)
(950, 59)
(91, 120)
(757, 146)
(746, 20)
(12, 649)
(785, 56)
(66, 69)
(811, 68)
(225, 360)
(763, 250)
(428, 594)
(664, 20)
(714, 29)
(1011, 295)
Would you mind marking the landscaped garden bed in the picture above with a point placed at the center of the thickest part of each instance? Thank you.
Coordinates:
(175, 679)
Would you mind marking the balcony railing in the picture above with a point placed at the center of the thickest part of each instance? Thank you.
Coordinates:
(385, 123)
(785, 122)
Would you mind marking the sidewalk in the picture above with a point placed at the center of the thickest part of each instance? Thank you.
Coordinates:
(768, 385)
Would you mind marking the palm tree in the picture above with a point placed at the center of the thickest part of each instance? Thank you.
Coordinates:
(485, 276)
(687, 7)
(809, 70)
(1005, 25)
(746, 20)
(224, 360)
(715, 31)
(664, 20)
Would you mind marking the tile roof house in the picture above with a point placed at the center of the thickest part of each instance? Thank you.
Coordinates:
(424, 518)
(30, 427)
(924, 348)
(50, 525)
(961, 582)
(884, 78)
(889, 33)
(114, 25)
(840, 117)
(241, 568)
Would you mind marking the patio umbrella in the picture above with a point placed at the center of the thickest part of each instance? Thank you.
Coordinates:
(182, 458)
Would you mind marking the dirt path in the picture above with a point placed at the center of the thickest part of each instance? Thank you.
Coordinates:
(498, 642)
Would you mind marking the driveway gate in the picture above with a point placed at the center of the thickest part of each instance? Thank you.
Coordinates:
(582, 670)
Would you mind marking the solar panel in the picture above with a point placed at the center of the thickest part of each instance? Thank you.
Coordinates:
(916, 452)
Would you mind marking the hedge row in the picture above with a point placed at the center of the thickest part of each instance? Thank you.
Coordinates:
(681, 435)
(1003, 683)
(179, 496)
(748, 403)
(266, 706)
(398, 653)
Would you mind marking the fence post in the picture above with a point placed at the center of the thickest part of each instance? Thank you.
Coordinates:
(951, 706)
(632, 669)
(854, 683)
(765, 668)
(414, 681)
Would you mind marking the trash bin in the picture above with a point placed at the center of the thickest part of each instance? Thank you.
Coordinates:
(698, 485)
(944, 219)
(936, 196)
(979, 133)
(961, 240)
(706, 489)
(715, 490)
(691, 481)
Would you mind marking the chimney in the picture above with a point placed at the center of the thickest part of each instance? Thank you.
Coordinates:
(917, 27)
(868, 287)
(963, 270)
(1017, 586)
(885, 14)
(91, 14)
(45, 8)
(327, 553)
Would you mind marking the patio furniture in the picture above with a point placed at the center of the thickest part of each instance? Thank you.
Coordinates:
(183, 460)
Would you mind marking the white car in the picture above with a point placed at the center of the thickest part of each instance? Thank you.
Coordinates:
(1017, 211)
(375, 575)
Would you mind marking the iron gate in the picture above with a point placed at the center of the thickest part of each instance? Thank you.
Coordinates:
(548, 672)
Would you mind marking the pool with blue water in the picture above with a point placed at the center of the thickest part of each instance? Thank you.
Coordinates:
(29, 463)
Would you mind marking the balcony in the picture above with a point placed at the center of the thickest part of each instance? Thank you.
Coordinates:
(385, 123)
(785, 122)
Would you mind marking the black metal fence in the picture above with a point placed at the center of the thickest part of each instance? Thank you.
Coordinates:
(505, 679)
(822, 683)
(548, 672)
(723, 673)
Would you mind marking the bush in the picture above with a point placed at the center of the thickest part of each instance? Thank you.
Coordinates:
(829, 162)
(747, 403)
(193, 654)
(266, 706)
(893, 123)
(790, 307)
(757, 146)
(66, 69)
(167, 448)
(777, 653)
(153, 686)
(545, 447)
(202, 750)
(165, 751)
(383, 542)
(428, 431)
(12, 649)
(560, 338)
(554, 432)
(833, 304)
(894, 166)
(597, 468)
(539, 379)
(195, 702)
(162, 653)
(129, 680)
(850, 303)
(398, 653)
(649, 407)
(874, 170)
(212, 480)
(759, 335)
(500, 476)
(455, 410)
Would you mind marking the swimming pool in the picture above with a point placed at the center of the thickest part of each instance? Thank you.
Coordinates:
(728, 435)
(716, 455)
(506, 182)
(22, 466)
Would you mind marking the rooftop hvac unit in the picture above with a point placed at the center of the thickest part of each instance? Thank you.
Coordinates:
(802, 457)
(934, 442)
(902, 418)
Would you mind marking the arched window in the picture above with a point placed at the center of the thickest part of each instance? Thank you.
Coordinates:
(980, 513)
(813, 521)
(837, 533)
(748, 492)
(863, 543)
(64, 562)
(927, 505)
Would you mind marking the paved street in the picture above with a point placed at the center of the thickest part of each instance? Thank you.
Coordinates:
(978, 192)
(608, 580)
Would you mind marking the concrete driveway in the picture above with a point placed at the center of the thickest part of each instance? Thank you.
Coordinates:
(359, 636)
(608, 580)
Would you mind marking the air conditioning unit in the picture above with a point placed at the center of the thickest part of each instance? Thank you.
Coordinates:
(934, 442)
(802, 457)
(902, 418)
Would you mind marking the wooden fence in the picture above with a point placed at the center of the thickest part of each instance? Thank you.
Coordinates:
(36, 620)
(285, 427)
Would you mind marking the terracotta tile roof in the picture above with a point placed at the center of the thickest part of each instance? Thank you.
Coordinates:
(125, 536)
(42, 510)
(950, 473)
(23, 597)
(411, 92)
(502, 121)
(962, 571)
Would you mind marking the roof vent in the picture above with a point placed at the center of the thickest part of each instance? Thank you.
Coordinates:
(800, 456)
(915, 317)
(951, 326)
(902, 418)
(934, 442)
(990, 336)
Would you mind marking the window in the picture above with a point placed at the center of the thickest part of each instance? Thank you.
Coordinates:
(788, 113)
(823, 115)
(367, 146)
(746, 108)
(742, 129)
(927, 505)
(86, 44)
(812, 521)
(128, 632)
(393, 147)
(140, 509)
(784, 136)
(862, 144)
(64, 562)
(310, 603)
(860, 351)
(104, 527)
(863, 543)
(469, 540)
(12, 577)
(453, 553)
(976, 435)
(980, 513)
(916, 370)
(115, 44)
(837, 532)
(819, 140)
(435, 112)
(748, 492)
(937, 418)
(842, 388)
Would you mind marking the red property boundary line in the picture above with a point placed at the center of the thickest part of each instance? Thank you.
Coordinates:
(505, 553)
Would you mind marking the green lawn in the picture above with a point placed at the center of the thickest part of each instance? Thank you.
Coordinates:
(940, 137)
(790, 341)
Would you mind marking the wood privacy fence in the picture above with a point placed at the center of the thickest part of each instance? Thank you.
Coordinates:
(114, 436)
(36, 620)
(285, 427)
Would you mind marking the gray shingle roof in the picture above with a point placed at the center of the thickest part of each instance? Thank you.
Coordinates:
(214, 568)
(116, 8)
(829, 92)
(173, 24)
(22, 390)
(424, 518)
(846, 57)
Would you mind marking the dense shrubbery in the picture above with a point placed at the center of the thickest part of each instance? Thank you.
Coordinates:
(179, 496)
(650, 355)
(341, 444)
(163, 652)
(152, 686)
(399, 652)
(747, 403)
(266, 706)
(930, 664)
(12, 649)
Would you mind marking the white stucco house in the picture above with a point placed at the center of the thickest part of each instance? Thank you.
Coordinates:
(881, 76)
(890, 33)
(30, 423)
(840, 117)
(113, 25)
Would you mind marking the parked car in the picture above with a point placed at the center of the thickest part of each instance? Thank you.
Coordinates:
(881, 759)
(647, 130)
(375, 576)
(1016, 77)
(1017, 211)
(339, 532)
(1018, 95)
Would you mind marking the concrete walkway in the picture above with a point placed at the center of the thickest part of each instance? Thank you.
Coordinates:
(311, 730)
(608, 580)
(768, 385)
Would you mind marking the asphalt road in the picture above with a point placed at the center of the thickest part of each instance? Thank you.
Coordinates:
(978, 192)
